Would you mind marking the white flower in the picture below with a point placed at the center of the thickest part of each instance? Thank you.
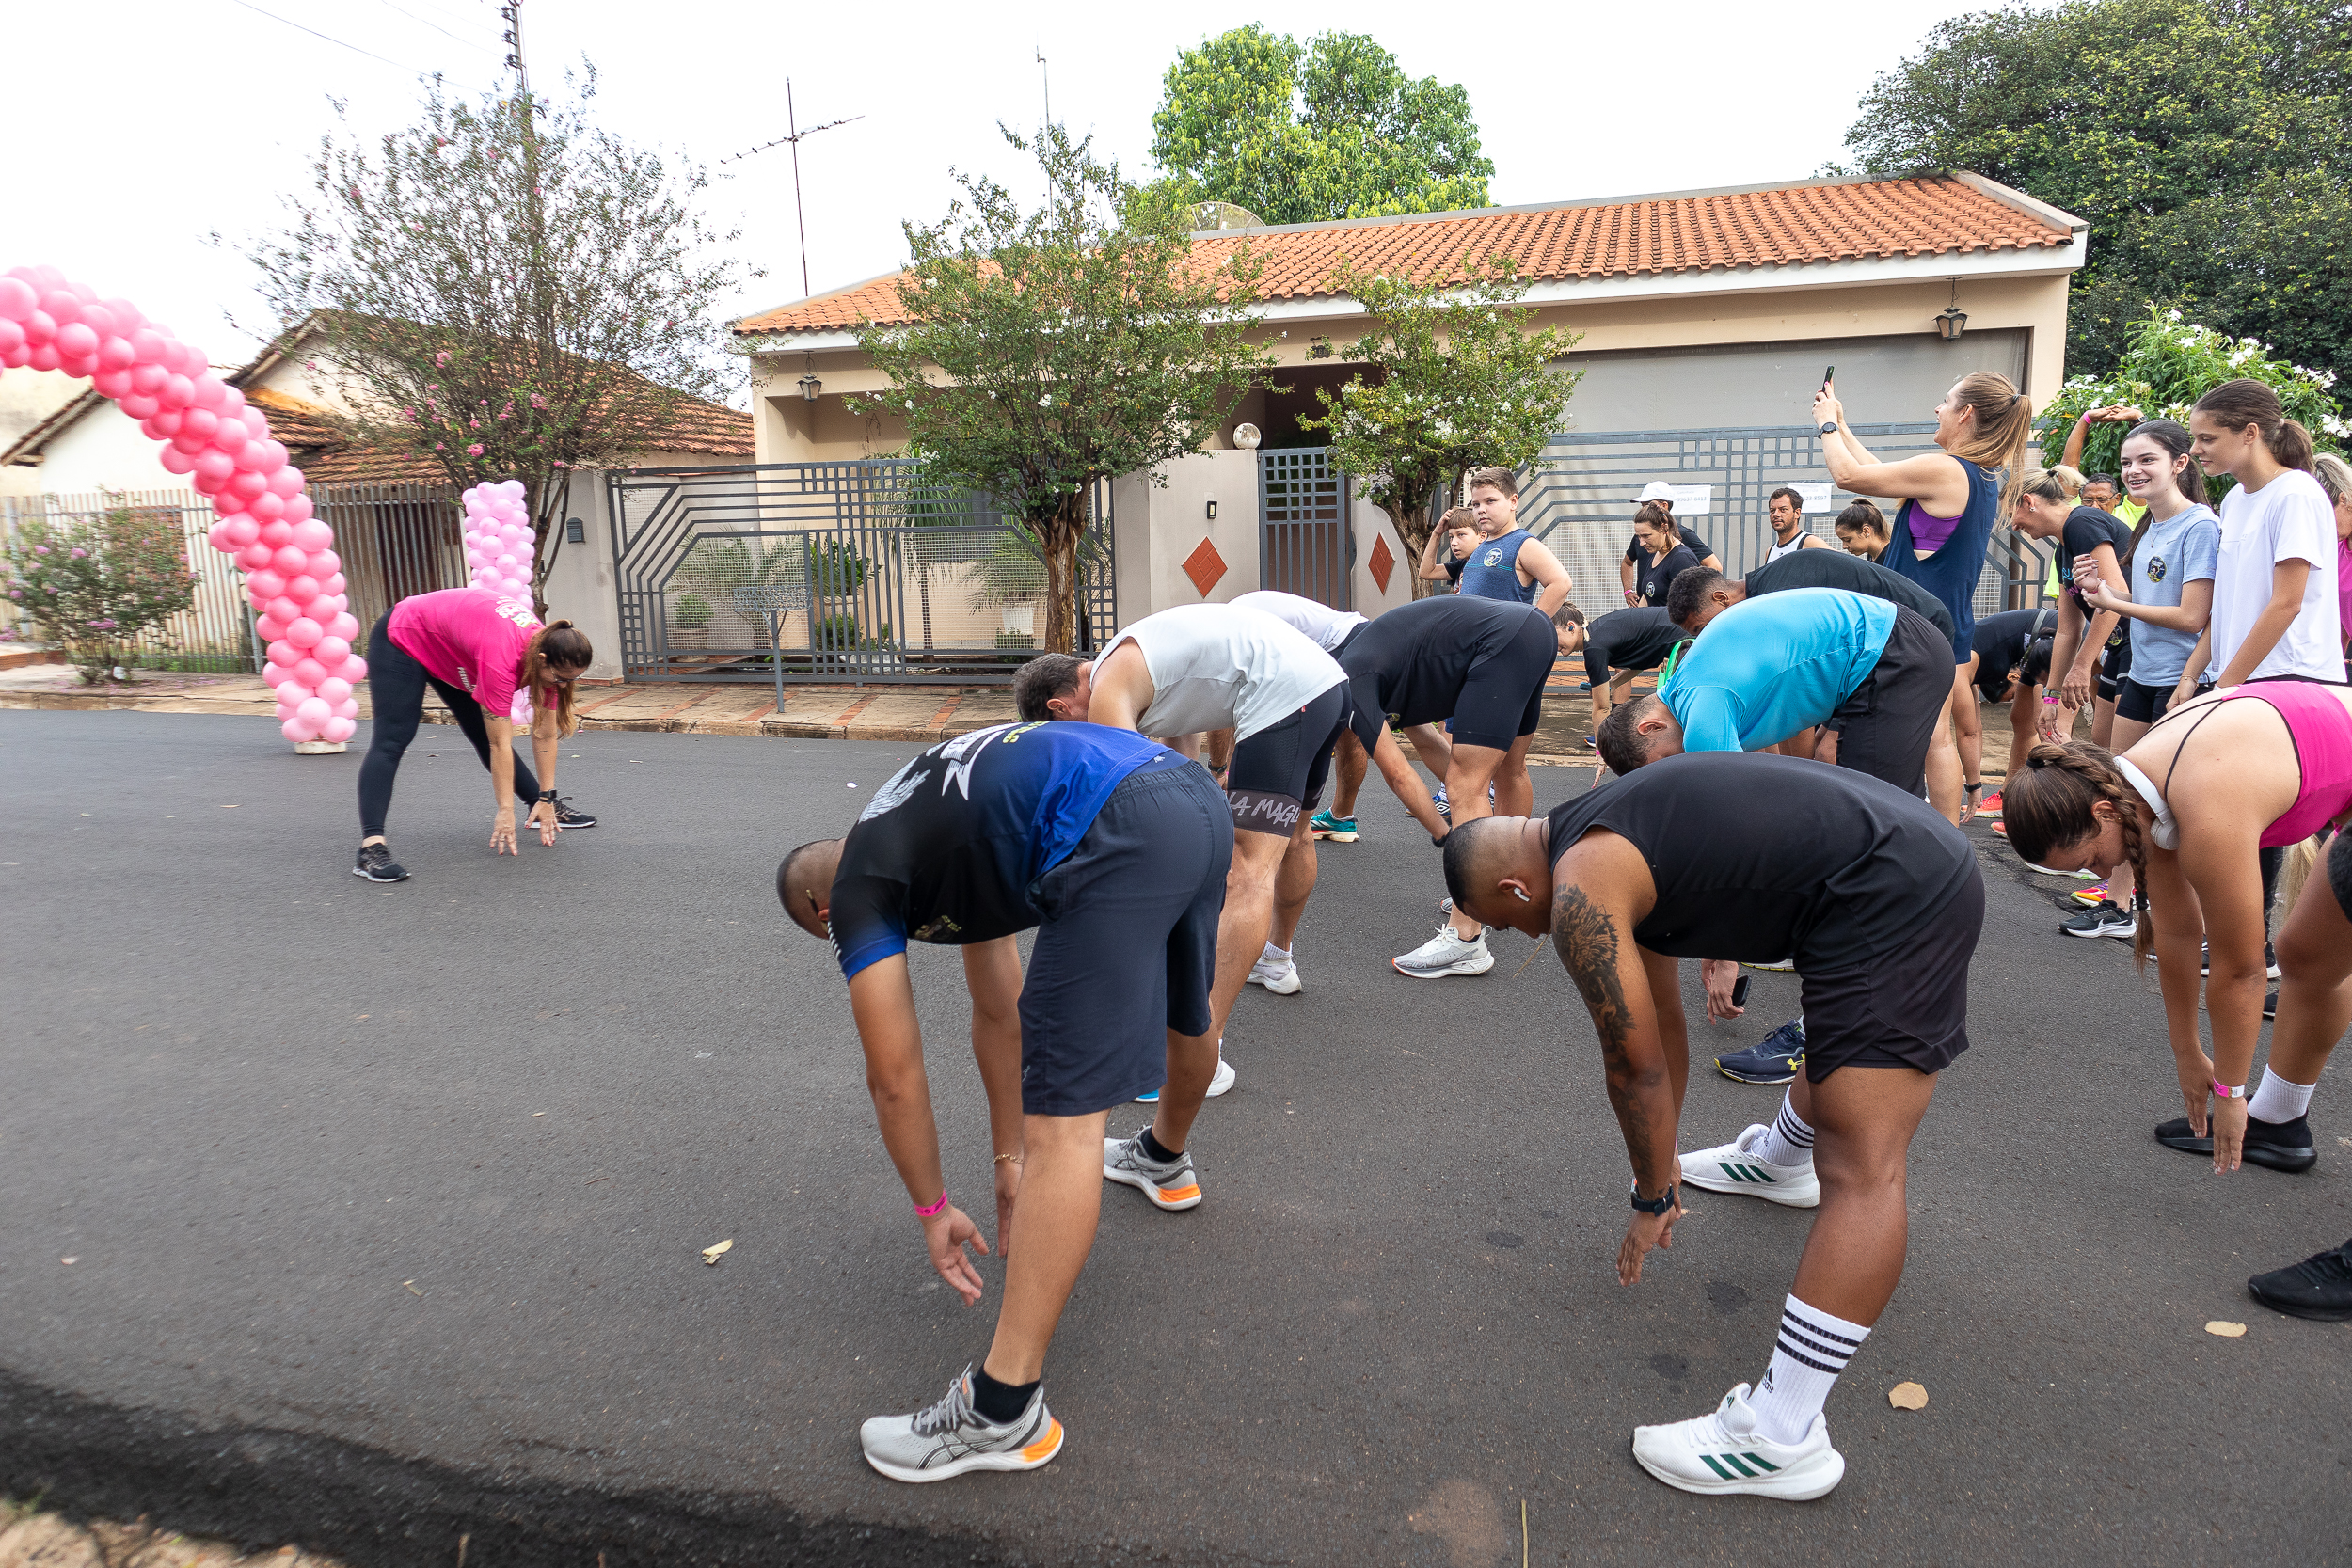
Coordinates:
(1046, 401)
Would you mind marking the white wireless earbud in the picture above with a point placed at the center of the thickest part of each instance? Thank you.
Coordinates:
(1520, 894)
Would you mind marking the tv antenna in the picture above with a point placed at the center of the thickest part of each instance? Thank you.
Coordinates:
(792, 125)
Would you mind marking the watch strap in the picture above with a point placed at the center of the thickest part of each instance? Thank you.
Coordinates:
(1653, 1205)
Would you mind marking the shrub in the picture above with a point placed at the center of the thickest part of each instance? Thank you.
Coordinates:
(692, 613)
(93, 584)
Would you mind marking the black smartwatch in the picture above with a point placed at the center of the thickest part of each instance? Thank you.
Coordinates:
(547, 797)
(1654, 1204)
(1827, 429)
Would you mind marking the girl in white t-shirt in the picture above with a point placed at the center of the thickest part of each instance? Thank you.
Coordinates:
(2274, 591)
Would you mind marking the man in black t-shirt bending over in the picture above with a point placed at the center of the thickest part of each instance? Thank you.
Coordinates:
(1619, 647)
(1116, 849)
(1881, 901)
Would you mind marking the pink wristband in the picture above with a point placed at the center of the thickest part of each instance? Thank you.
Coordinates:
(2228, 1093)
(935, 1208)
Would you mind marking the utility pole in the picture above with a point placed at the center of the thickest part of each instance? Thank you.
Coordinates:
(512, 13)
(539, 302)
(792, 125)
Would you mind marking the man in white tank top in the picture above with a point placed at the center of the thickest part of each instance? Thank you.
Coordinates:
(1789, 534)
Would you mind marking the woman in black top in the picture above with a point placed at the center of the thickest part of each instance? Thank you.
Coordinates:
(1663, 554)
(2046, 510)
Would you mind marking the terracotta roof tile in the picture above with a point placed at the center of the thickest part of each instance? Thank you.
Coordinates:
(1833, 222)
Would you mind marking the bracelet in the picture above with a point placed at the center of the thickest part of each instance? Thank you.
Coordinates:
(1978, 784)
(2049, 701)
(2225, 1092)
(1002, 1158)
(547, 797)
(935, 1208)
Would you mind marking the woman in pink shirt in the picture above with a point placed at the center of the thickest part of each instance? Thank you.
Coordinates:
(2335, 477)
(495, 665)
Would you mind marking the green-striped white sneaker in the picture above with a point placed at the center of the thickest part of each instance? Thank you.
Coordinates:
(1722, 1452)
(1735, 1167)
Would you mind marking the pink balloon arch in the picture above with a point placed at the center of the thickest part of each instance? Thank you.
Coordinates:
(223, 446)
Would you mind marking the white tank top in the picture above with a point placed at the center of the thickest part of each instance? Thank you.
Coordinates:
(1214, 665)
(1789, 549)
(1327, 626)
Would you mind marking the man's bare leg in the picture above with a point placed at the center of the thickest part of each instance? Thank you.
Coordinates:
(1945, 789)
(1434, 749)
(1061, 1200)
(1863, 1120)
(1191, 1068)
(1474, 769)
(1348, 766)
(1241, 929)
(1294, 884)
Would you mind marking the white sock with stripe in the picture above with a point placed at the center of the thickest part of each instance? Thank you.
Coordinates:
(1814, 1348)
(1788, 1141)
(2277, 1099)
(1274, 955)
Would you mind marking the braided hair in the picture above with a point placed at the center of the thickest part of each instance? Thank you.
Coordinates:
(2049, 803)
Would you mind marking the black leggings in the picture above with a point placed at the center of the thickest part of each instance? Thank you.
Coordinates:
(397, 681)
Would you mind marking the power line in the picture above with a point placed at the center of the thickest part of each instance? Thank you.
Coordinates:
(428, 22)
(338, 43)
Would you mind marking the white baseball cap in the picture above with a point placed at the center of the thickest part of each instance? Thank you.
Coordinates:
(1656, 490)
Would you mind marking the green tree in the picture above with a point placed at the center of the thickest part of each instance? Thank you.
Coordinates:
(1059, 346)
(1310, 132)
(2205, 142)
(1451, 382)
(517, 292)
(93, 585)
(2168, 363)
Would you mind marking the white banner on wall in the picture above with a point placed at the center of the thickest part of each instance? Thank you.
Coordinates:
(1816, 495)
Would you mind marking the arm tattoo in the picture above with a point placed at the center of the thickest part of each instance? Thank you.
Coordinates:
(1586, 940)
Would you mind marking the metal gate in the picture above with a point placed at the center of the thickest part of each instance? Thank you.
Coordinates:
(1582, 504)
(1306, 542)
(856, 571)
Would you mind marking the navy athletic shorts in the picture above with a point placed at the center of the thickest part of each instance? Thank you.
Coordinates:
(1127, 942)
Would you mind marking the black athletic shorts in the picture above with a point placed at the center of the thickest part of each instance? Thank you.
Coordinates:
(1884, 727)
(1127, 946)
(1278, 772)
(1908, 1008)
(2113, 665)
(2340, 872)
(2144, 705)
(1502, 699)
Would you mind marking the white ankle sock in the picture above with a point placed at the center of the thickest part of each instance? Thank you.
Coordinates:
(2277, 1099)
(1814, 1348)
(1788, 1141)
(1274, 955)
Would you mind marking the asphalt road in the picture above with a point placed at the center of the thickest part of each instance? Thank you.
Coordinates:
(384, 1209)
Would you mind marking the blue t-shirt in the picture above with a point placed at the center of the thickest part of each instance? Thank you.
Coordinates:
(1491, 570)
(2182, 548)
(1775, 664)
(945, 852)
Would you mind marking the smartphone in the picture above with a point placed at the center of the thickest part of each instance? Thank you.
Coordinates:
(1739, 992)
(1827, 376)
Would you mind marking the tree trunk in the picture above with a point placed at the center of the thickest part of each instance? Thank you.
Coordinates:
(1413, 526)
(1059, 534)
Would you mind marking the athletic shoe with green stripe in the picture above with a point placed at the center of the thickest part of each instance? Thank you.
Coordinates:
(1722, 1452)
(1735, 1167)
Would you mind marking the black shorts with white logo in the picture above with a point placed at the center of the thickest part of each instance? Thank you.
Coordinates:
(1278, 772)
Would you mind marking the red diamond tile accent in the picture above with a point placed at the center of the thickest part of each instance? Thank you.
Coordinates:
(1383, 562)
(1205, 567)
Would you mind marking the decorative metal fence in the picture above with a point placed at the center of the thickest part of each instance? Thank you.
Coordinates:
(852, 570)
(1305, 542)
(1582, 504)
(396, 541)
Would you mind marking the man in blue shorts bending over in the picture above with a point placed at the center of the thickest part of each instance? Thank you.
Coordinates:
(1115, 849)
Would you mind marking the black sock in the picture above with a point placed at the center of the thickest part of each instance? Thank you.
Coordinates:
(999, 1403)
(1155, 1150)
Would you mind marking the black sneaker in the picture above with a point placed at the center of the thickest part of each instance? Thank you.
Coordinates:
(2270, 1005)
(1774, 1059)
(376, 862)
(2319, 1288)
(2270, 962)
(2279, 1144)
(2103, 919)
(567, 817)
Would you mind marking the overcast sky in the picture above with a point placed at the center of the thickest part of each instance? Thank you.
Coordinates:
(141, 129)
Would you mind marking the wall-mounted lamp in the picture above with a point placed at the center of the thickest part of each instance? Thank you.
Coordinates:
(575, 532)
(811, 387)
(1952, 320)
(1245, 437)
(1212, 511)
(1319, 349)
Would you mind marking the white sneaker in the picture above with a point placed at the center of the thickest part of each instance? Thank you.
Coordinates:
(1722, 1452)
(1281, 980)
(950, 1439)
(1172, 1186)
(1781, 968)
(1218, 1083)
(1736, 1169)
(1446, 953)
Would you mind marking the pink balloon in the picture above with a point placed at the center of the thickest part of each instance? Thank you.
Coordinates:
(290, 560)
(332, 650)
(229, 437)
(347, 708)
(515, 588)
(167, 421)
(311, 537)
(335, 583)
(316, 711)
(286, 481)
(301, 588)
(41, 357)
(217, 536)
(279, 534)
(211, 463)
(297, 508)
(285, 655)
(128, 317)
(254, 557)
(177, 392)
(354, 670)
(81, 370)
(62, 306)
(267, 507)
(139, 407)
(147, 378)
(292, 693)
(41, 329)
(210, 392)
(268, 582)
(114, 385)
(201, 422)
(274, 452)
(337, 729)
(204, 486)
(304, 633)
(309, 671)
(151, 347)
(231, 398)
(321, 610)
(97, 318)
(17, 299)
(286, 613)
(244, 529)
(115, 355)
(270, 629)
(75, 341)
(12, 334)
(272, 675)
(344, 626)
(249, 484)
(324, 563)
(335, 690)
(175, 461)
(297, 731)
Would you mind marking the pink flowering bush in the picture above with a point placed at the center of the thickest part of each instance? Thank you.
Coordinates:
(93, 584)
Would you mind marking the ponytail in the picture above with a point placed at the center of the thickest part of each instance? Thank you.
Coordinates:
(2235, 405)
(2003, 427)
(559, 643)
(2048, 804)
(2059, 483)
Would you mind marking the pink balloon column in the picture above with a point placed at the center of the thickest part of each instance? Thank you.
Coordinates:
(222, 444)
(499, 543)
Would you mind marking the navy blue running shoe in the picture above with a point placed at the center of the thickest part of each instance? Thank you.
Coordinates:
(1773, 1060)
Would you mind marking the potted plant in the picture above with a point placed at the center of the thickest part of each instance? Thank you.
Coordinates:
(689, 622)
